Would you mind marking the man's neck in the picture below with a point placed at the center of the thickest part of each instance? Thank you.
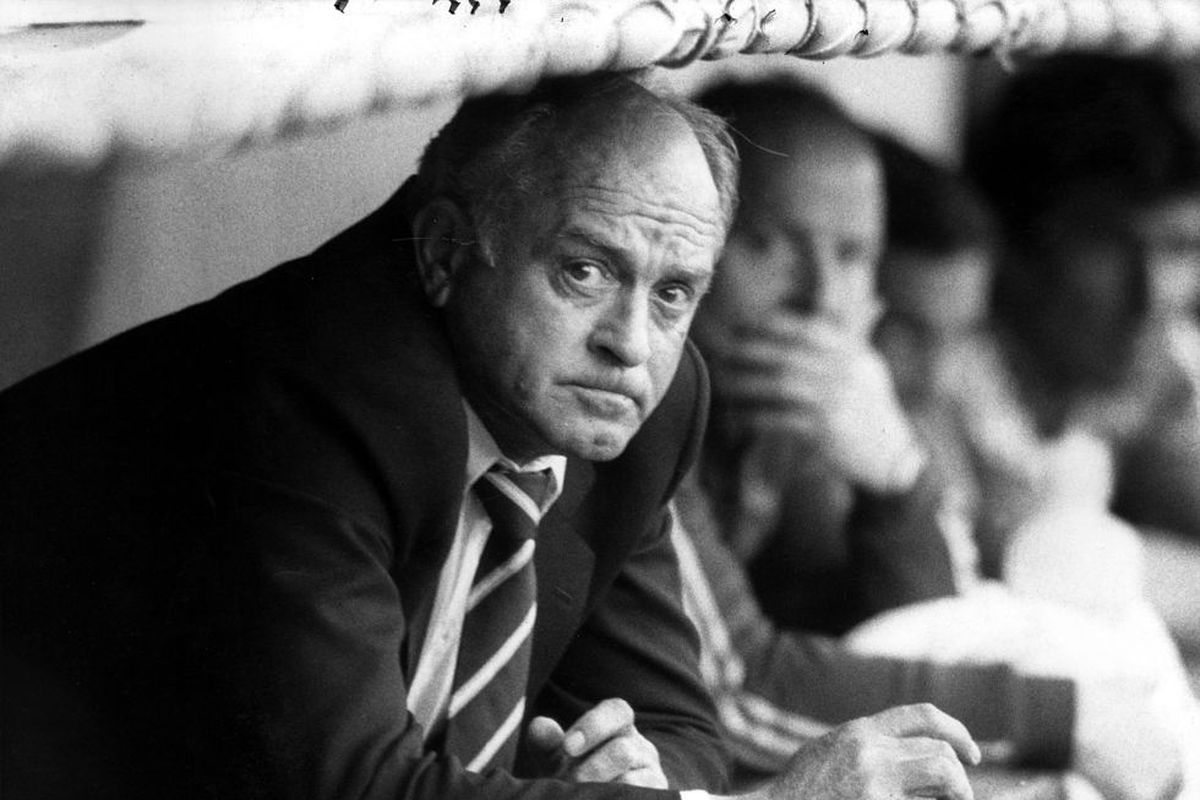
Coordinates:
(511, 434)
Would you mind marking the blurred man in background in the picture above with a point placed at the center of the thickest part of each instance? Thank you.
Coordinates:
(935, 278)
(791, 257)
(1097, 179)
(1096, 175)
(807, 431)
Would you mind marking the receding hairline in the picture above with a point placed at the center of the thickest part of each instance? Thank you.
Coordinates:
(780, 117)
(536, 135)
(767, 143)
(596, 135)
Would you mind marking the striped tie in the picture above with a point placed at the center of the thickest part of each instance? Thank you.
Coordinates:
(487, 702)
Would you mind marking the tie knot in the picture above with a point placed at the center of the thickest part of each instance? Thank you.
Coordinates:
(503, 492)
(535, 485)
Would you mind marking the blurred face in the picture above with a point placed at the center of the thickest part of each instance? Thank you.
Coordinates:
(1124, 274)
(934, 305)
(570, 339)
(1170, 232)
(806, 240)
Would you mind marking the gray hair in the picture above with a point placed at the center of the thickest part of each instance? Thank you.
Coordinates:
(499, 149)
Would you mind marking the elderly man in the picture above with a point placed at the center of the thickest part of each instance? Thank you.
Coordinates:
(935, 280)
(282, 543)
(809, 233)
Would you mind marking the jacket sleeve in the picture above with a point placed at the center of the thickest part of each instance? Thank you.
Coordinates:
(777, 689)
(902, 547)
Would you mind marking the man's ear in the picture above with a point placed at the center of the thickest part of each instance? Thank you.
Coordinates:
(444, 241)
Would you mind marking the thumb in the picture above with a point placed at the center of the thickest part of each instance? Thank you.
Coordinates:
(545, 734)
(544, 737)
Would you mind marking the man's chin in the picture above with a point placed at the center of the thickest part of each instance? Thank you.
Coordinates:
(595, 442)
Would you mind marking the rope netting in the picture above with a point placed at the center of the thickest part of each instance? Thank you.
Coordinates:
(80, 80)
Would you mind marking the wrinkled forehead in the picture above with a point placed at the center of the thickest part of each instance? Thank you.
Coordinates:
(820, 184)
(641, 132)
(650, 167)
(809, 167)
(799, 143)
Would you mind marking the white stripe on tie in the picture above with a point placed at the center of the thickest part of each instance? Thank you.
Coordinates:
(500, 574)
(515, 493)
(471, 687)
(498, 739)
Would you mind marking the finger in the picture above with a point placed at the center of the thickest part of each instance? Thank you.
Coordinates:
(544, 733)
(609, 718)
(934, 771)
(751, 391)
(765, 355)
(925, 719)
(743, 407)
(770, 436)
(650, 777)
(843, 363)
(616, 757)
(807, 429)
(824, 332)
(545, 737)
(769, 391)
(771, 351)
(801, 419)
(814, 329)
(793, 367)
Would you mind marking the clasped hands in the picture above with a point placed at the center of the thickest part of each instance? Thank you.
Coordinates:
(906, 751)
(819, 380)
(603, 746)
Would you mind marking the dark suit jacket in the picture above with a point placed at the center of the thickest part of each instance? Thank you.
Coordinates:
(222, 531)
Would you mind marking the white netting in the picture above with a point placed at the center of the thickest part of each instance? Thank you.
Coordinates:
(80, 80)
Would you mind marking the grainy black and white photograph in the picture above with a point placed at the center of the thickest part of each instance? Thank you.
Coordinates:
(600, 399)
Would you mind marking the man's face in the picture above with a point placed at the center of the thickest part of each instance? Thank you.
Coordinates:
(806, 241)
(934, 305)
(1124, 273)
(571, 338)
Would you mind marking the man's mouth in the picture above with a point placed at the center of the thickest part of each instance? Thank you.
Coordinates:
(606, 403)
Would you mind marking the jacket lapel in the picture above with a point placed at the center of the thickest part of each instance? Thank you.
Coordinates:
(564, 563)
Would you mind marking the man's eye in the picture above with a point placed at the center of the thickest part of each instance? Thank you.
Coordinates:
(855, 251)
(676, 296)
(848, 251)
(587, 274)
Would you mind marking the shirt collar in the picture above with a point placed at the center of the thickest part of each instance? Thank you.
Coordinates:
(483, 453)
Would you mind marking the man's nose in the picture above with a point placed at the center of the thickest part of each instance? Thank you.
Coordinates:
(623, 332)
(814, 288)
(834, 286)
